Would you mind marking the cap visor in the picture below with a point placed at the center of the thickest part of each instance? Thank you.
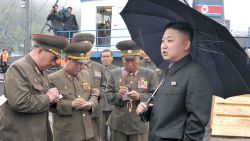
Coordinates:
(79, 61)
(130, 57)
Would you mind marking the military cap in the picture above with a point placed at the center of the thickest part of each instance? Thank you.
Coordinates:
(128, 48)
(77, 51)
(81, 37)
(53, 44)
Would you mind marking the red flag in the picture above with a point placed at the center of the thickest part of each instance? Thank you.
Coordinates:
(209, 10)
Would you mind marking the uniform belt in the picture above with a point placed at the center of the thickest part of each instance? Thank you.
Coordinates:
(129, 104)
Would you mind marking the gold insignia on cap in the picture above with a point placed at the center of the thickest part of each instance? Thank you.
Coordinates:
(129, 51)
(78, 58)
(82, 54)
(173, 83)
(54, 52)
(89, 42)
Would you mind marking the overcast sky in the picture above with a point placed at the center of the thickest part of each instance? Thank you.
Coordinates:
(238, 12)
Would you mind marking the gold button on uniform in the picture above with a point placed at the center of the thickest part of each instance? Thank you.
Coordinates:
(83, 115)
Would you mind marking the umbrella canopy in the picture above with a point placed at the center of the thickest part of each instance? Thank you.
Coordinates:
(213, 46)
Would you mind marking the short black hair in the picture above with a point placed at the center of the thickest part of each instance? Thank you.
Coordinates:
(107, 50)
(69, 8)
(183, 27)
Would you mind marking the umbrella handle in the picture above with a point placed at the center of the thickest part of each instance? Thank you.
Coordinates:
(144, 114)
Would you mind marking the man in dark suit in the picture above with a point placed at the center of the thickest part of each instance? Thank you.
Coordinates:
(182, 105)
(70, 24)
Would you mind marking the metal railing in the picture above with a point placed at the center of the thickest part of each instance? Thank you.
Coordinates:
(105, 39)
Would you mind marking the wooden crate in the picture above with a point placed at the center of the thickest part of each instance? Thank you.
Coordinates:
(231, 116)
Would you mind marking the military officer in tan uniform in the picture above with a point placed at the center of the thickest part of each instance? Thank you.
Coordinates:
(72, 117)
(126, 88)
(24, 116)
(146, 62)
(96, 71)
(106, 59)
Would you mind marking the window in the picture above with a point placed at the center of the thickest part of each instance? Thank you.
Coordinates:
(103, 26)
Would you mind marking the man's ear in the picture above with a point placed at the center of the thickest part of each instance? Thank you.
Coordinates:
(187, 45)
(39, 50)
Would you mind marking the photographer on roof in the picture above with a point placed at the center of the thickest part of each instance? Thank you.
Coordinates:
(56, 19)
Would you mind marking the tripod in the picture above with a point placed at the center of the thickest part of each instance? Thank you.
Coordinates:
(46, 24)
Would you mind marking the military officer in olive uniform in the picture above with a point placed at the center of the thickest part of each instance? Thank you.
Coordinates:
(106, 59)
(96, 71)
(72, 118)
(24, 116)
(126, 88)
(146, 62)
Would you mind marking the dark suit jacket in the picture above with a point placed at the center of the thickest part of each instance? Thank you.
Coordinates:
(56, 21)
(182, 105)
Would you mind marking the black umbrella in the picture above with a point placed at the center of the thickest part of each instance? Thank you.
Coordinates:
(213, 46)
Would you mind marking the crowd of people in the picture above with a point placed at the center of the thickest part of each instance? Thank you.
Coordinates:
(90, 101)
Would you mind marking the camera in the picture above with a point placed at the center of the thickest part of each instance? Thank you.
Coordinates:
(63, 11)
(54, 8)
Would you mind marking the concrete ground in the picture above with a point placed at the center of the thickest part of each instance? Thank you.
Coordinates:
(207, 136)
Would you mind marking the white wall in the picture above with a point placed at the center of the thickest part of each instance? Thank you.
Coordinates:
(118, 23)
(88, 18)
